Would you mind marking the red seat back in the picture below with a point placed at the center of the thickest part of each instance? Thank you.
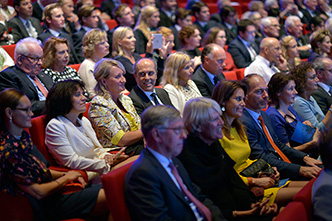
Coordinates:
(240, 73)
(75, 66)
(294, 211)
(85, 114)
(230, 75)
(113, 183)
(111, 23)
(10, 49)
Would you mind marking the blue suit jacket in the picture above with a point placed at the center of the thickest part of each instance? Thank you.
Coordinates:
(240, 53)
(152, 195)
(261, 147)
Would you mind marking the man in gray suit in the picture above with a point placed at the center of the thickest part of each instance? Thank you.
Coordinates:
(323, 96)
(144, 94)
(210, 72)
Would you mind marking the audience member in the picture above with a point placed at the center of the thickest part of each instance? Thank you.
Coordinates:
(263, 140)
(228, 22)
(182, 18)
(167, 13)
(26, 75)
(270, 27)
(269, 61)
(316, 23)
(294, 27)
(95, 47)
(54, 21)
(212, 169)
(112, 113)
(272, 8)
(309, 11)
(24, 170)
(177, 80)
(39, 6)
(324, 8)
(207, 76)
(243, 48)
(139, 4)
(305, 105)
(6, 10)
(323, 68)
(289, 8)
(107, 6)
(285, 119)
(320, 42)
(158, 177)
(72, 23)
(147, 21)
(23, 25)
(220, 4)
(256, 19)
(290, 51)
(144, 94)
(55, 60)
(257, 6)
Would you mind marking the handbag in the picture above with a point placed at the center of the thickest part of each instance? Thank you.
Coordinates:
(256, 167)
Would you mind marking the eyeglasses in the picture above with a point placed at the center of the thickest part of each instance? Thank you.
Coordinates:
(177, 130)
(313, 77)
(33, 59)
(26, 110)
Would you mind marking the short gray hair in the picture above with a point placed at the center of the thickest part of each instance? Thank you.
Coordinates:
(290, 21)
(266, 22)
(198, 111)
(21, 46)
(158, 116)
(268, 3)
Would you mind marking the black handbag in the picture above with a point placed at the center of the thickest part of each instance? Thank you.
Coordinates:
(256, 168)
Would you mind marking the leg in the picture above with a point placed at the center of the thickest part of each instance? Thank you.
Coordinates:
(100, 208)
(297, 183)
(286, 194)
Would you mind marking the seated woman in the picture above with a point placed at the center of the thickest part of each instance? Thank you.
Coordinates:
(95, 47)
(190, 39)
(112, 113)
(70, 137)
(218, 36)
(123, 46)
(211, 168)
(290, 51)
(305, 105)
(281, 90)
(147, 21)
(177, 80)
(320, 42)
(24, 172)
(230, 96)
(56, 58)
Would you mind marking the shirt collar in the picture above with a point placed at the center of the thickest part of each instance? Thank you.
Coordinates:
(210, 76)
(54, 32)
(247, 44)
(147, 93)
(326, 87)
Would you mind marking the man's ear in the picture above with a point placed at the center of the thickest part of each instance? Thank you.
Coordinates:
(155, 134)
(48, 20)
(83, 19)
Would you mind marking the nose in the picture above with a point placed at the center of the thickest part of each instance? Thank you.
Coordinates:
(265, 94)
(183, 134)
(221, 122)
(295, 91)
(107, 44)
(123, 79)
(191, 70)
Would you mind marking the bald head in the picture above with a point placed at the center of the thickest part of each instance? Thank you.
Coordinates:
(213, 57)
(145, 74)
(270, 49)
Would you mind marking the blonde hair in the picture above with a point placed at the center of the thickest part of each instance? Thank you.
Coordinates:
(174, 63)
(146, 13)
(284, 43)
(119, 34)
(164, 31)
(91, 39)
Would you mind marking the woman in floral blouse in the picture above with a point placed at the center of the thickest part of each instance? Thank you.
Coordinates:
(112, 113)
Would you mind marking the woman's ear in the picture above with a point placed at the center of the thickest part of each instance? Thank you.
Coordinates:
(8, 112)
(103, 81)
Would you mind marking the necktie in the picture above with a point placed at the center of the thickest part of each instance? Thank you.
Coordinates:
(31, 30)
(252, 52)
(275, 147)
(154, 98)
(200, 206)
(215, 80)
(40, 86)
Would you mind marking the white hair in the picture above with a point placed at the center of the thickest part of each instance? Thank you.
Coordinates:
(21, 46)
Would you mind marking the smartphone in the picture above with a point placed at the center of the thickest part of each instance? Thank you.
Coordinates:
(157, 41)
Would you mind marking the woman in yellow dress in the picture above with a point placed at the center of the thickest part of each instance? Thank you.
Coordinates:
(230, 95)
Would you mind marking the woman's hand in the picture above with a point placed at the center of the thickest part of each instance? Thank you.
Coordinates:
(72, 175)
(277, 175)
(261, 208)
(81, 181)
(196, 61)
(307, 123)
(163, 51)
(149, 45)
(317, 136)
(114, 159)
(265, 182)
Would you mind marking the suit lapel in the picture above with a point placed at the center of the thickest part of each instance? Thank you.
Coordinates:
(145, 100)
(22, 27)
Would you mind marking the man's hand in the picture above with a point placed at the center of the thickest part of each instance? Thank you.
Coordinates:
(309, 172)
(311, 161)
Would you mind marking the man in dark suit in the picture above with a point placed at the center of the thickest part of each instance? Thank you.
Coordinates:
(210, 72)
(309, 11)
(141, 94)
(167, 13)
(301, 166)
(39, 6)
(182, 18)
(244, 48)
(55, 21)
(26, 75)
(88, 16)
(323, 96)
(23, 25)
(153, 191)
(228, 22)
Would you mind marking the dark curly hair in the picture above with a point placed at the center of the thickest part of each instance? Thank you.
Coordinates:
(276, 85)
(300, 74)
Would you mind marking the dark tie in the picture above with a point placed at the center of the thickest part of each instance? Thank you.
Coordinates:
(154, 98)
(215, 80)
(275, 147)
(200, 206)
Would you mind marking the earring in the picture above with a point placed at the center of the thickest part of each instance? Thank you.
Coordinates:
(10, 120)
(222, 109)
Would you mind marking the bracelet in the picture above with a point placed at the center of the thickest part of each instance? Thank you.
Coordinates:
(249, 181)
(57, 182)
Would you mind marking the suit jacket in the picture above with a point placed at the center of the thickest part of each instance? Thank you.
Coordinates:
(142, 102)
(324, 100)
(261, 147)
(230, 35)
(14, 77)
(240, 53)
(204, 83)
(141, 42)
(77, 39)
(304, 40)
(165, 20)
(216, 17)
(177, 43)
(18, 29)
(37, 12)
(107, 6)
(73, 57)
(203, 30)
(151, 194)
(307, 16)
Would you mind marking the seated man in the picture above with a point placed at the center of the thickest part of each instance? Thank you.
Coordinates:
(210, 72)
(269, 61)
(322, 188)
(243, 48)
(144, 94)
(26, 75)
(167, 13)
(55, 22)
(323, 95)
(39, 6)
(23, 25)
(263, 140)
(155, 184)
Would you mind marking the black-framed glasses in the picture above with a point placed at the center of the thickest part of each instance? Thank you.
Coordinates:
(26, 110)
(313, 77)
(33, 59)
